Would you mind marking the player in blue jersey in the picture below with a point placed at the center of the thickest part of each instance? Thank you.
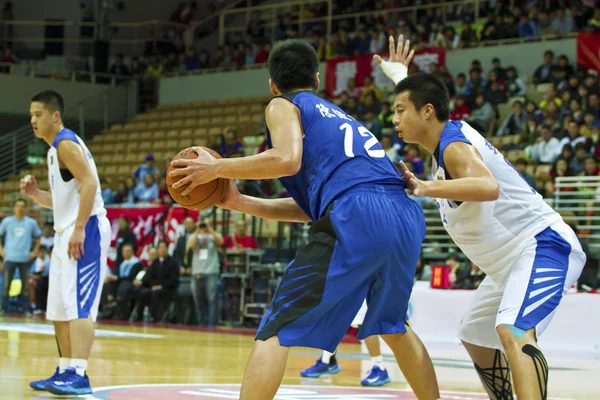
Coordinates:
(364, 241)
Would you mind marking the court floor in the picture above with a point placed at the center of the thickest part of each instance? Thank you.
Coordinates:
(143, 362)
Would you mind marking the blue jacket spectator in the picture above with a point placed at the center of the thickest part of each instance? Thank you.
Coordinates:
(149, 168)
(146, 191)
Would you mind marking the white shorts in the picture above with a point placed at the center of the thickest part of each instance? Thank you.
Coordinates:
(75, 286)
(360, 317)
(542, 274)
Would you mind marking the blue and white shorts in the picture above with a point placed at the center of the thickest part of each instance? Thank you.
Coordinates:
(542, 274)
(75, 286)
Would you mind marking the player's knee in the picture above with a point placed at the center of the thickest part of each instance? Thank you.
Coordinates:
(512, 336)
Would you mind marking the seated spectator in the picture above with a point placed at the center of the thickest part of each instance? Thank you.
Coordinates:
(369, 87)
(588, 127)
(239, 240)
(148, 168)
(573, 137)
(412, 156)
(353, 89)
(184, 257)
(545, 149)
(559, 169)
(494, 95)
(551, 98)
(460, 84)
(577, 163)
(362, 42)
(120, 282)
(514, 122)
(206, 267)
(125, 236)
(476, 81)
(372, 124)
(515, 87)
(390, 151)
(231, 144)
(147, 191)
(562, 23)
(152, 255)
(107, 193)
(47, 239)
(521, 166)
(38, 280)
(469, 279)
(353, 107)
(543, 73)
(461, 109)
(527, 29)
(119, 67)
(158, 286)
(123, 194)
(191, 61)
(386, 116)
(482, 115)
(371, 104)
(563, 70)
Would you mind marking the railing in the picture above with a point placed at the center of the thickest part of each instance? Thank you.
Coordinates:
(577, 199)
(116, 104)
(73, 75)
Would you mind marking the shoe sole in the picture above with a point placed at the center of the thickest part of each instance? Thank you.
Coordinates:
(378, 383)
(39, 389)
(55, 391)
(334, 371)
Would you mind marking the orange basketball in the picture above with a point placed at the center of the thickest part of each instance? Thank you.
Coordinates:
(203, 196)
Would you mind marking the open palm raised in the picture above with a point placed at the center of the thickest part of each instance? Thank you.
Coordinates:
(396, 67)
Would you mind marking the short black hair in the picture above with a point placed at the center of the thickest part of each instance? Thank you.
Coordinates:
(51, 100)
(22, 200)
(425, 89)
(293, 64)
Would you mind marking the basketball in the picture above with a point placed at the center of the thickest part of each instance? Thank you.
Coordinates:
(203, 196)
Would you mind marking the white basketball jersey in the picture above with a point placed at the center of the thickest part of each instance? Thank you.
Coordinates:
(491, 234)
(65, 189)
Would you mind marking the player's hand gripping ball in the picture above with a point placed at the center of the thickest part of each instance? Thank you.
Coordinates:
(202, 196)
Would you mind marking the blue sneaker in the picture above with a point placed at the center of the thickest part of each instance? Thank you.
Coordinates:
(377, 377)
(41, 385)
(320, 368)
(69, 383)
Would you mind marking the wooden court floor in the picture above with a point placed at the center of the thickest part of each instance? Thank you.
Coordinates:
(192, 364)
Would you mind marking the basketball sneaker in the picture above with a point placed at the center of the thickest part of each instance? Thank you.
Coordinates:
(377, 377)
(69, 383)
(320, 368)
(41, 384)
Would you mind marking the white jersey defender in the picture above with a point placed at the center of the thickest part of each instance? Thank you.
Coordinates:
(75, 285)
(530, 255)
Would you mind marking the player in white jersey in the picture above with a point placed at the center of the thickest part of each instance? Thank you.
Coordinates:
(80, 245)
(327, 364)
(500, 223)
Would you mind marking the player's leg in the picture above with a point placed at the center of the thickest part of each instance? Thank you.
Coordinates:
(82, 292)
(9, 273)
(313, 306)
(478, 335)
(56, 312)
(24, 275)
(378, 375)
(543, 273)
(264, 370)
(326, 365)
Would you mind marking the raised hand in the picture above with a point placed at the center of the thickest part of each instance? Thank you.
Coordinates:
(396, 68)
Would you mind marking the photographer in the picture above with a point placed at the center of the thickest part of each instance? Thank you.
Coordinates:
(204, 244)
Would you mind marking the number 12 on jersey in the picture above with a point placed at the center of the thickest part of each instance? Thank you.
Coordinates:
(364, 132)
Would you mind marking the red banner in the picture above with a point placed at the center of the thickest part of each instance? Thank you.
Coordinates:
(588, 50)
(148, 226)
(339, 70)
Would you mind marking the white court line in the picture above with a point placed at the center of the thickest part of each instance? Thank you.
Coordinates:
(445, 392)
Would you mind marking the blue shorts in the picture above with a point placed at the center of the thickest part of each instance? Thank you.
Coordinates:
(366, 246)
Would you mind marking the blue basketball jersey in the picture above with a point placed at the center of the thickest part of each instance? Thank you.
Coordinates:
(338, 154)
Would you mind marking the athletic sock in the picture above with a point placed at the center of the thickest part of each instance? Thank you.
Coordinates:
(378, 360)
(80, 365)
(63, 364)
(328, 357)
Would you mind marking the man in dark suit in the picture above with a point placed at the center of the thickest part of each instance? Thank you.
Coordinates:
(125, 236)
(158, 286)
(184, 258)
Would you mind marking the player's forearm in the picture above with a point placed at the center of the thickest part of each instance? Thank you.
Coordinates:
(36, 245)
(270, 164)
(463, 189)
(43, 198)
(87, 196)
(277, 209)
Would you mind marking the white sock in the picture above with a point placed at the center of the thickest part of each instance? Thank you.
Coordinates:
(378, 360)
(80, 365)
(63, 364)
(326, 357)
